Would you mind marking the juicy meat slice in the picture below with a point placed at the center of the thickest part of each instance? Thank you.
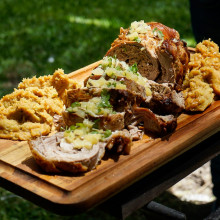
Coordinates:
(135, 132)
(111, 122)
(131, 85)
(174, 58)
(53, 155)
(164, 99)
(120, 141)
(156, 124)
(154, 111)
(133, 52)
(80, 95)
(120, 99)
(163, 59)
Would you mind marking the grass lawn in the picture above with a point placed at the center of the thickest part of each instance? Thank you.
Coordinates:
(40, 36)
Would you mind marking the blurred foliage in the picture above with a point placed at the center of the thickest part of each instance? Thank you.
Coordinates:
(39, 36)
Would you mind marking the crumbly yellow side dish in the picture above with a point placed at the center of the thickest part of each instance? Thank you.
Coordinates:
(202, 81)
(28, 111)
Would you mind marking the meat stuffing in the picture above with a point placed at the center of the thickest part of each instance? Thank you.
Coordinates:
(157, 50)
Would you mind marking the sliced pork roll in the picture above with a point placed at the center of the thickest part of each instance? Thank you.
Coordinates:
(157, 50)
(111, 122)
(161, 98)
(58, 153)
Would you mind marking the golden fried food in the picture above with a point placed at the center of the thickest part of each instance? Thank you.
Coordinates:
(28, 111)
(202, 81)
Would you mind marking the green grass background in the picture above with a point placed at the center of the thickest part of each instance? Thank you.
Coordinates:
(72, 33)
(39, 36)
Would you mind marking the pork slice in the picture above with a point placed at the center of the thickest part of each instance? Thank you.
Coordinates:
(120, 141)
(111, 122)
(133, 52)
(54, 155)
(81, 95)
(153, 123)
(120, 99)
(165, 100)
(163, 59)
(168, 33)
(131, 85)
(173, 57)
(135, 132)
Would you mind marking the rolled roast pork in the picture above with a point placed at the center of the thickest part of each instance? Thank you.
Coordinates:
(157, 50)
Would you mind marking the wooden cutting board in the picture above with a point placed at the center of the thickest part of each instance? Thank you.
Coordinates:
(81, 192)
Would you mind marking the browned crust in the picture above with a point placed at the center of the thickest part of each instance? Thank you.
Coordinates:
(174, 59)
(169, 33)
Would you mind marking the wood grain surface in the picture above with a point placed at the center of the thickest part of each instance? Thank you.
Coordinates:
(84, 191)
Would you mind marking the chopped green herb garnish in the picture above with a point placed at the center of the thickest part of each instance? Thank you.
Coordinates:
(107, 133)
(63, 129)
(159, 33)
(109, 84)
(137, 39)
(114, 84)
(134, 68)
(81, 125)
(96, 123)
(105, 97)
(112, 75)
(72, 127)
(75, 104)
(94, 132)
(99, 109)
